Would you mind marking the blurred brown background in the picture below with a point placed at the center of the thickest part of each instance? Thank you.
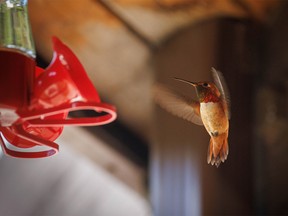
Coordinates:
(149, 162)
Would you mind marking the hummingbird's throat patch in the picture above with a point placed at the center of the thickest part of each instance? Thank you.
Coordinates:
(210, 98)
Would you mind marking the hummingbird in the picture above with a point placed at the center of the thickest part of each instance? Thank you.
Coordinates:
(211, 110)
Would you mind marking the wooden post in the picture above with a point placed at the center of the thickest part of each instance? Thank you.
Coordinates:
(182, 183)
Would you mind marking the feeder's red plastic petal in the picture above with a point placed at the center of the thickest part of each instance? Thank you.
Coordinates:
(38, 71)
(21, 136)
(66, 58)
(64, 87)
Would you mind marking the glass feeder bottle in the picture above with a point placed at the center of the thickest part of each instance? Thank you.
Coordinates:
(17, 56)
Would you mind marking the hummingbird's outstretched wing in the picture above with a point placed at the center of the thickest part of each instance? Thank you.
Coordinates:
(178, 105)
(222, 87)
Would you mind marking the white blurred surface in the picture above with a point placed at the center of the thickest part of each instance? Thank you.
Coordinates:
(65, 184)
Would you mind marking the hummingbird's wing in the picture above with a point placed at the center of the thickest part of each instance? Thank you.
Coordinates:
(222, 87)
(178, 105)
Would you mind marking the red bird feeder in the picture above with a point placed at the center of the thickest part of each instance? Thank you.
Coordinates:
(35, 103)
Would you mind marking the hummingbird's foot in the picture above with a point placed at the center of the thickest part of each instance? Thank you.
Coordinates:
(215, 133)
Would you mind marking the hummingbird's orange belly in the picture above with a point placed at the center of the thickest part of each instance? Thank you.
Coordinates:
(214, 118)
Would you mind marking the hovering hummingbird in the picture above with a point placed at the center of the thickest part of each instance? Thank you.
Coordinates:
(212, 111)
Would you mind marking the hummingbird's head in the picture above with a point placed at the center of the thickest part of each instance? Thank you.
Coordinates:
(206, 91)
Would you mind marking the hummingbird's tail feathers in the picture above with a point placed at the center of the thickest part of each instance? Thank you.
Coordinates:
(218, 149)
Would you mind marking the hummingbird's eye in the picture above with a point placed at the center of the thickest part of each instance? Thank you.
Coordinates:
(205, 84)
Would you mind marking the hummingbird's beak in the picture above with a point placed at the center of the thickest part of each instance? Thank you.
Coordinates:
(186, 81)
